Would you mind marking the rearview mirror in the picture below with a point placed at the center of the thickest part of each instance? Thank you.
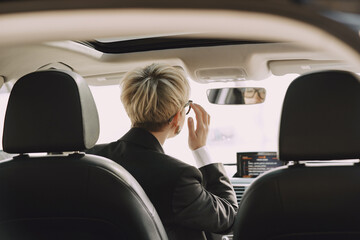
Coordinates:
(248, 95)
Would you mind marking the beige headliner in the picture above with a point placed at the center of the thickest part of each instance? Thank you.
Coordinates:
(21, 50)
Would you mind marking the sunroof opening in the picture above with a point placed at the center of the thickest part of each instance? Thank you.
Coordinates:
(117, 45)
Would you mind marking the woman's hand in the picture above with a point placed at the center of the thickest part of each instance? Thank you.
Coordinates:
(198, 136)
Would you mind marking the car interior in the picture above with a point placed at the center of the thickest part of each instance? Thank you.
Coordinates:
(280, 80)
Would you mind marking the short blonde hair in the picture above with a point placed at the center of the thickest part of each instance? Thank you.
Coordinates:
(154, 94)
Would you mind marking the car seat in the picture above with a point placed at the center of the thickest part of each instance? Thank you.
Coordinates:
(64, 193)
(320, 121)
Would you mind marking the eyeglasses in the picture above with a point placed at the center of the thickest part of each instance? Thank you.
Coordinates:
(187, 108)
(250, 92)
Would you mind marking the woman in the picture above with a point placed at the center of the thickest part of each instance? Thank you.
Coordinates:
(189, 201)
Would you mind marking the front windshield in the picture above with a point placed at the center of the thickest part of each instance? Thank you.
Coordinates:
(234, 128)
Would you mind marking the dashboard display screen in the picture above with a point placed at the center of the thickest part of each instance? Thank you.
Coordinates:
(252, 164)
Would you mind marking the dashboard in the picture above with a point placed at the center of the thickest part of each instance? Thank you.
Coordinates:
(249, 165)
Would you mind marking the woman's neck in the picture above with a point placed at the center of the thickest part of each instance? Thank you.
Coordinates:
(160, 136)
(164, 134)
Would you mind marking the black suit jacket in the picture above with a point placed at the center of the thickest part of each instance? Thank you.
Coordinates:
(188, 200)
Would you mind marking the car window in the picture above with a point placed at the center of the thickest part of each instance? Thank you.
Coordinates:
(234, 128)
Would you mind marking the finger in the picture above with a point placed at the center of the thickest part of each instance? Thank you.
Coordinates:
(204, 114)
(198, 114)
(208, 119)
(191, 126)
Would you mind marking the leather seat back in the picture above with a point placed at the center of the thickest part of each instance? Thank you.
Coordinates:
(65, 195)
(320, 121)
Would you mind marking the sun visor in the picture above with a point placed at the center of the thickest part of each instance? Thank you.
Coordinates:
(104, 79)
(280, 68)
(225, 74)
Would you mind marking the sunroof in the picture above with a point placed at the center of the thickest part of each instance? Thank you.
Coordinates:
(118, 45)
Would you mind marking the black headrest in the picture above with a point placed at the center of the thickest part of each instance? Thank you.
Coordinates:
(50, 111)
(321, 117)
